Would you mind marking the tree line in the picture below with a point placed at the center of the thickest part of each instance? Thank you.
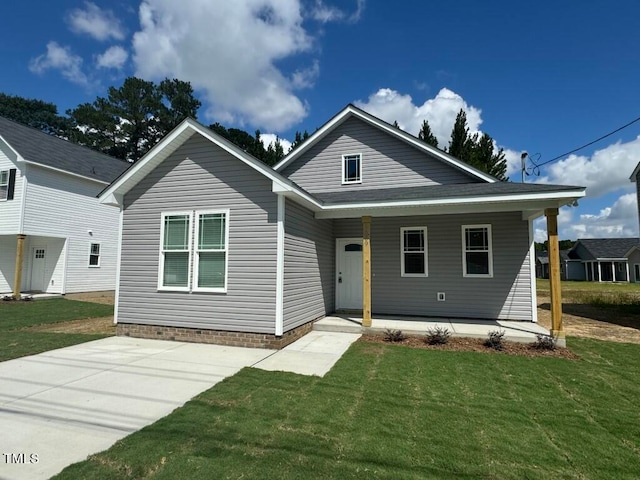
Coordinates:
(132, 118)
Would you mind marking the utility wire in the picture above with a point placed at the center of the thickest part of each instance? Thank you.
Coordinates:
(536, 166)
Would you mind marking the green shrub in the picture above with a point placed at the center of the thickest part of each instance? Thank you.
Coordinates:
(437, 336)
(495, 340)
(544, 342)
(391, 335)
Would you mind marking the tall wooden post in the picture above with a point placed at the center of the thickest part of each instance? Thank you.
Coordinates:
(557, 329)
(17, 278)
(366, 271)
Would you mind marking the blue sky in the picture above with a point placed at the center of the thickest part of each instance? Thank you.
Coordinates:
(542, 77)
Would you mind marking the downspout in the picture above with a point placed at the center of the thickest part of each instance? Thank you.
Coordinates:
(280, 267)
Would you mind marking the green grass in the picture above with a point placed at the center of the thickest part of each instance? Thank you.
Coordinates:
(394, 412)
(569, 287)
(16, 317)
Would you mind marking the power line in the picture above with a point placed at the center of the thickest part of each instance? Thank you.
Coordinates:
(536, 166)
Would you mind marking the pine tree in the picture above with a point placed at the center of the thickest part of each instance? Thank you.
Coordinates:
(426, 135)
(458, 146)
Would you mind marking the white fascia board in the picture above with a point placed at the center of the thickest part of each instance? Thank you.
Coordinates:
(637, 247)
(439, 208)
(560, 196)
(396, 132)
(66, 172)
(605, 259)
(13, 151)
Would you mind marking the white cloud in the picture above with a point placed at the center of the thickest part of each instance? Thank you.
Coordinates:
(617, 220)
(113, 57)
(269, 138)
(326, 13)
(606, 171)
(60, 58)
(95, 22)
(229, 52)
(440, 112)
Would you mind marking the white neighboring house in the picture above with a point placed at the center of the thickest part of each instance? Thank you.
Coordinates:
(49, 210)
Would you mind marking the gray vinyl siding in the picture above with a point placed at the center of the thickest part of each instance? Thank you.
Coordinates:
(505, 296)
(634, 259)
(387, 162)
(200, 175)
(309, 266)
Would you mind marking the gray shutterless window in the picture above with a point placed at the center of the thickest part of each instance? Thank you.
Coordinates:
(352, 168)
(413, 260)
(198, 263)
(477, 255)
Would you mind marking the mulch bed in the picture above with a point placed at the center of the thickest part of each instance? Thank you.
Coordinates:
(461, 344)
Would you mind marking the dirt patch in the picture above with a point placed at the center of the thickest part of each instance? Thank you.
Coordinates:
(461, 344)
(102, 326)
(579, 321)
(106, 297)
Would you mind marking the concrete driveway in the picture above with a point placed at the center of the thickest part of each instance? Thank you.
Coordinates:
(58, 407)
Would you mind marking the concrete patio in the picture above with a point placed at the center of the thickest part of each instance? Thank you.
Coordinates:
(524, 332)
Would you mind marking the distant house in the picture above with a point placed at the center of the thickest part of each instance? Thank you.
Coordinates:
(606, 260)
(542, 264)
(55, 236)
(218, 247)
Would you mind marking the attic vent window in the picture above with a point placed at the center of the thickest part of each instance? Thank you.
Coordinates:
(352, 168)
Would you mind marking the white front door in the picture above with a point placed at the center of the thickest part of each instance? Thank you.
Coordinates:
(349, 274)
(38, 259)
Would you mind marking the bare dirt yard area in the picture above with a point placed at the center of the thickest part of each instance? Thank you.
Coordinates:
(603, 311)
(99, 325)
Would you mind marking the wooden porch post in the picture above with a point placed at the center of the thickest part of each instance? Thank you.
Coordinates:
(366, 271)
(557, 330)
(17, 278)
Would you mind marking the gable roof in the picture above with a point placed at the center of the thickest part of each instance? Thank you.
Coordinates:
(172, 141)
(602, 248)
(543, 256)
(352, 111)
(634, 174)
(48, 151)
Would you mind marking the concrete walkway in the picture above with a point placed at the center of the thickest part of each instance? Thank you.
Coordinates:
(313, 354)
(63, 405)
(524, 332)
(66, 404)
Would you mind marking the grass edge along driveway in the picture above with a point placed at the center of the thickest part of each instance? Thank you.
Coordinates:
(17, 317)
(395, 412)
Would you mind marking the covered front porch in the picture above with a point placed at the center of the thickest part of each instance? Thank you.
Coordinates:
(524, 332)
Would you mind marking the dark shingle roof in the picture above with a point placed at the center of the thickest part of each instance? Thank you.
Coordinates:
(36, 146)
(609, 247)
(543, 256)
(435, 192)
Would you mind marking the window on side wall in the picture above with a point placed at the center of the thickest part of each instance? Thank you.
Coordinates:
(413, 241)
(4, 184)
(195, 262)
(175, 251)
(94, 255)
(211, 252)
(352, 168)
(477, 256)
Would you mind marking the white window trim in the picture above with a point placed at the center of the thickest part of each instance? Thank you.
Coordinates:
(5, 199)
(464, 251)
(196, 252)
(344, 169)
(426, 252)
(161, 287)
(99, 254)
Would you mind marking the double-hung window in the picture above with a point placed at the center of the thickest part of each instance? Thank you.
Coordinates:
(477, 255)
(413, 241)
(352, 168)
(4, 184)
(194, 262)
(211, 251)
(94, 255)
(175, 251)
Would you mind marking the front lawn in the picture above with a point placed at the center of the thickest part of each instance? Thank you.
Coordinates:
(394, 412)
(17, 317)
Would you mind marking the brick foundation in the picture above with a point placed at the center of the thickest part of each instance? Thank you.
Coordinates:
(197, 335)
